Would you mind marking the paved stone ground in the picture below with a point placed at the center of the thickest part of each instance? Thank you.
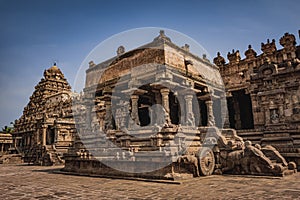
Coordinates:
(36, 182)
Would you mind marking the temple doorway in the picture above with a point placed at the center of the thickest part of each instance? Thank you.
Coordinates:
(240, 110)
(144, 116)
(217, 112)
(143, 110)
(50, 135)
(203, 113)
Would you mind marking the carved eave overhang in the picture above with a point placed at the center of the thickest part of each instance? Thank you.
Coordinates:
(271, 92)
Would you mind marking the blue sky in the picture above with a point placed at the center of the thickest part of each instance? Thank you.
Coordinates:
(34, 34)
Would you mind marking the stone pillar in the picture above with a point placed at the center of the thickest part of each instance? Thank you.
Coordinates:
(281, 113)
(237, 116)
(44, 135)
(157, 97)
(135, 109)
(189, 115)
(165, 103)
(267, 116)
(153, 113)
(224, 112)
(165, 99)
(101, 121)
(210, 113)
(108, 115)
(37, 137)
(255, 109)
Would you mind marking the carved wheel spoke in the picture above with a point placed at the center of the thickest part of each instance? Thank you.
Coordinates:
(206, 161)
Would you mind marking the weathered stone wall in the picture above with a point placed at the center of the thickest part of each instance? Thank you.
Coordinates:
(272, 80)
(122, 65)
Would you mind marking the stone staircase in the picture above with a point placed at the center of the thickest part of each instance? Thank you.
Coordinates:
(42, 155)
(52, 156)
(277, 160)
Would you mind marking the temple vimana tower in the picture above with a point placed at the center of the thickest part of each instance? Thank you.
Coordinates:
(162, 111)
(46, 129)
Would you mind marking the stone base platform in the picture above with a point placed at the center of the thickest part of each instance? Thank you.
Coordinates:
(11, 159)
(167, 171)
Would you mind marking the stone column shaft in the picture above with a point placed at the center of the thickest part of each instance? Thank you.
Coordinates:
(210, 113)
(44, 136)
(37, 137)
(189, 110)
(157, 97)
(165, 99)
(267, 116)
(108, 115)
(134, 109)
(224, 112)
(281, 113)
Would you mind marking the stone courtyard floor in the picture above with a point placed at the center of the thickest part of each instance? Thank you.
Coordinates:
(37, 182)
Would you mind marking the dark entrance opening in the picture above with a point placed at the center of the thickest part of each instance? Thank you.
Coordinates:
(143, 110)
(144, 116)
(174, 108)
(217, 112)
(50, 135)
(240, 110)
(231, 113)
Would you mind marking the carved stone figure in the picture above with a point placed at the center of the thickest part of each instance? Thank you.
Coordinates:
(233, 159)
(190, 159)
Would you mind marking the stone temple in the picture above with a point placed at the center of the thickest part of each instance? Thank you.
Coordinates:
(159, 111)
(46, 129)
(263, 95)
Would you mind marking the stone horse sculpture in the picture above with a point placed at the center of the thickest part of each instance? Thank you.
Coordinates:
(250, 160)
(190, 159)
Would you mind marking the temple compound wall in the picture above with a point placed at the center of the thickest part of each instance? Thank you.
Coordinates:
(46, 129)
(263, 94)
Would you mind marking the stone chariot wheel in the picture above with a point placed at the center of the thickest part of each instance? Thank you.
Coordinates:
(206, 161)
